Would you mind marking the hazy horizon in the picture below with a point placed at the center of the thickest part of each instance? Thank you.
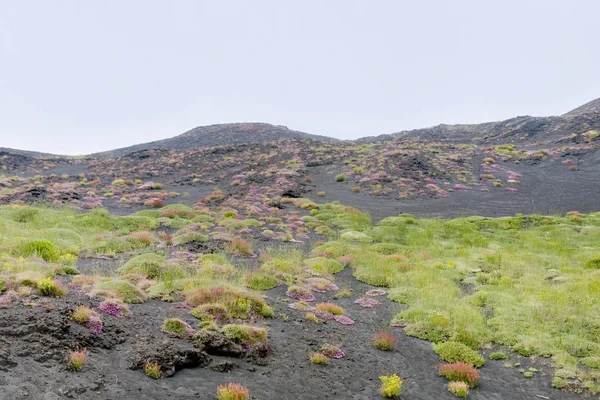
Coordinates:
(83, 77)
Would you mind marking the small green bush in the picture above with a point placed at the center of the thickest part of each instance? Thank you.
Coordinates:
(24, 214)
(391, 386)
(245, 334)
(40, 248)
(260, 280)
(152, 370)
(594, 263)
(454, 351)
(48, 287)
(124, 290)
(266, 311)
(459, 389)
(190, 237)
(323, 264)
(210, 312)
(82, 314)
(148, 264)
(340, 178)
(591, 362)
(177, 326)
(319, 359)
(498, 355)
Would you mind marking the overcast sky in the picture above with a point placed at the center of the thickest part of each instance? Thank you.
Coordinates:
(84, 76)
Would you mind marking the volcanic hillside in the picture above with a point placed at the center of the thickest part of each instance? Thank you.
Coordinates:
(218, 135)
(291, 265)
(570, 127)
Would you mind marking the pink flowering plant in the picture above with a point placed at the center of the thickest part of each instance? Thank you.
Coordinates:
(300, 293)
(114, 307)
(331, 351)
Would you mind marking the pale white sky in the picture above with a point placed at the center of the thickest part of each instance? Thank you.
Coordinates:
(85, 76)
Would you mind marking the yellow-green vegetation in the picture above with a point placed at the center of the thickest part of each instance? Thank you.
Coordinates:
(149, 265)
(82, 314)
(498, 355)
(311, 317)
(526, 282)
(122, 290)
(455, 351)
(260, 280)
(286, 263)
(245, 334)
(177, 326)
(49, 287)
(319, 358)
(326, 265)
(391, 386)
(459, 389)
(234, 302)
(152, 370)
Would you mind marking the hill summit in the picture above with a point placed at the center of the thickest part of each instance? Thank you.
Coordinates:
(588, 108)
(218, 135)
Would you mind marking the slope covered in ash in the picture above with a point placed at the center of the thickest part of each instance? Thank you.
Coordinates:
(573, 126)
(218, 135)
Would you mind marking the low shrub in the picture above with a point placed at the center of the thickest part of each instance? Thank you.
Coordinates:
(591, 362)
(391, 386)
(210, 312)
(245, 334)
(260, 280)
(114, 307)
(343, 292)
(323, 264)
(321, 285)
(77, 359)
(152, 370)
(331, 351)
(232, 391)
(154, 203)
(498, 355)
(266, 311)
(49, 287)
(41, 248)
(454, 351)
(239, 247)
(330, 307)
(148, 264)
(123, 290)
(177, 326)
(311, 317)
(240, 303)
(340, 178)
(189, 237)
(459, 389)
(384, 341)
(460, 372)
(594, 263)
(300, 293)
(82, 314)
(95, 324)
(319, 359)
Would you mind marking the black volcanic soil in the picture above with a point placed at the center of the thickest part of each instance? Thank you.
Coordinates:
(548, 188)
(34, 339)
